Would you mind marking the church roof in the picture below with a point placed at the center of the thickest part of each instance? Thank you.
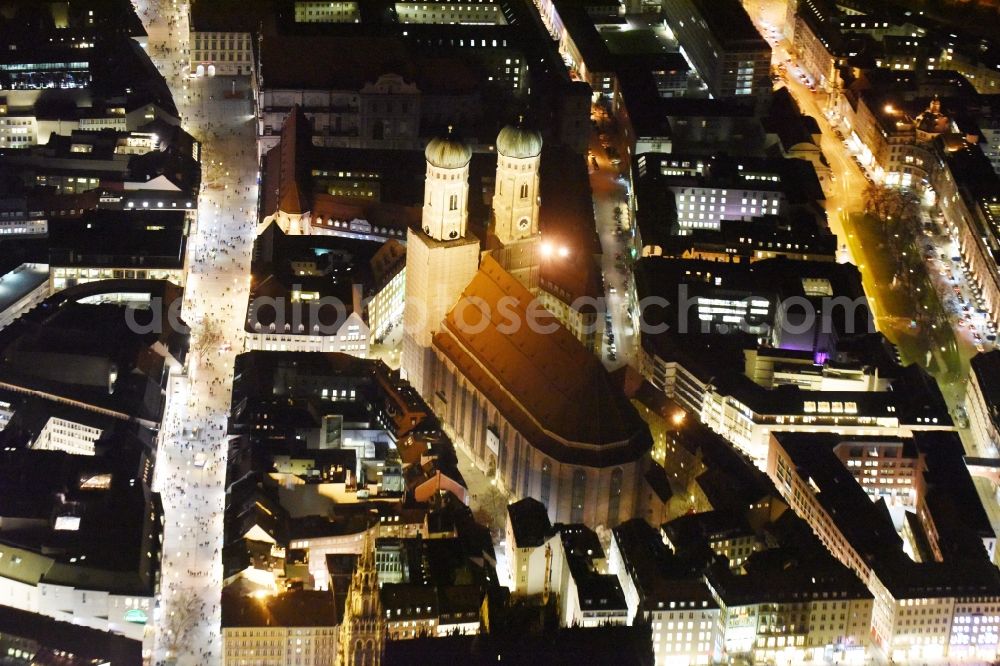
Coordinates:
(286, 165)
(518, 142)
(447, 153)
(546, 384)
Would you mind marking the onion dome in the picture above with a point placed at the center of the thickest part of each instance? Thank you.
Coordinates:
(448, 152)
(518, 142)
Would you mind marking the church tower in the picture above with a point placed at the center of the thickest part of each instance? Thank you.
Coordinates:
(362, 629)
(516, 202)
(441, 257)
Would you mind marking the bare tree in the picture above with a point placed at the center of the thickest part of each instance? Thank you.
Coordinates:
(898, 212)
(179, 621)
(891, 204)
(206, 336)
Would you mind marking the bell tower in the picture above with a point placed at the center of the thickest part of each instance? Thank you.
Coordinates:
(441, 257)
(516, 200)
(516, 196)
(446, 189)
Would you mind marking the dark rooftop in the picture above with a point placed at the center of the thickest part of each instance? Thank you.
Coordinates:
(530, 522)
(296, 608)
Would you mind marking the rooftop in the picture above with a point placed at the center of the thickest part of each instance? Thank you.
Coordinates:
(729, 23)
(296, 608)
(965, 568)
(529, 522)
(554, 391)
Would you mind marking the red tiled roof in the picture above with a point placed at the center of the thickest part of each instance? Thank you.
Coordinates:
(290, 199)
(345, 209)
(547, 385)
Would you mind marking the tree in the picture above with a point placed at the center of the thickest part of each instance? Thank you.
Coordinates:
(179, 621)
(890, 204)
(898, 211)
(206, 336)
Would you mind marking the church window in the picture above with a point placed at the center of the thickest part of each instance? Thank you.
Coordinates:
(524, 191)
(615, 496)
(546, 482)
(578, 494)
(453, 202)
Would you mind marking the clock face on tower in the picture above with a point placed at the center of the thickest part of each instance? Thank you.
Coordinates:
(523, 224)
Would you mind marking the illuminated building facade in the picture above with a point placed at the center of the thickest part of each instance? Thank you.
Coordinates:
(936, 591)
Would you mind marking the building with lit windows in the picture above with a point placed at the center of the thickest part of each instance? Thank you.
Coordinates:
(794, 602)
(722, 44)
(821, 372)
(788, 304)
(564, 564)
(707, 190)
(367, 98)
(819, 46)
(746, 413)
(26, 286)
(975, 60)
(968, 194)
(323, 11)
(154, 169)
(982, 403)
(893, 136)
(60, 434)
(223, 32)
(113, 245)
(293, 628)
(385, 306)
(927, 564)
(464, 12)
(80, 527)
(738, 241)
(988, 122)
(678, 605)
(310, 293)
(350, 193)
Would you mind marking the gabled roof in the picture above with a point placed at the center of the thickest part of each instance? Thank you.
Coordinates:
(290, 198)
(546, 384)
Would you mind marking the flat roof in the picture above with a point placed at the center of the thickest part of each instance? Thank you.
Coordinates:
(83, 642)
(729, 23)
(20, 282)
(295, 608)
(965, 570)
